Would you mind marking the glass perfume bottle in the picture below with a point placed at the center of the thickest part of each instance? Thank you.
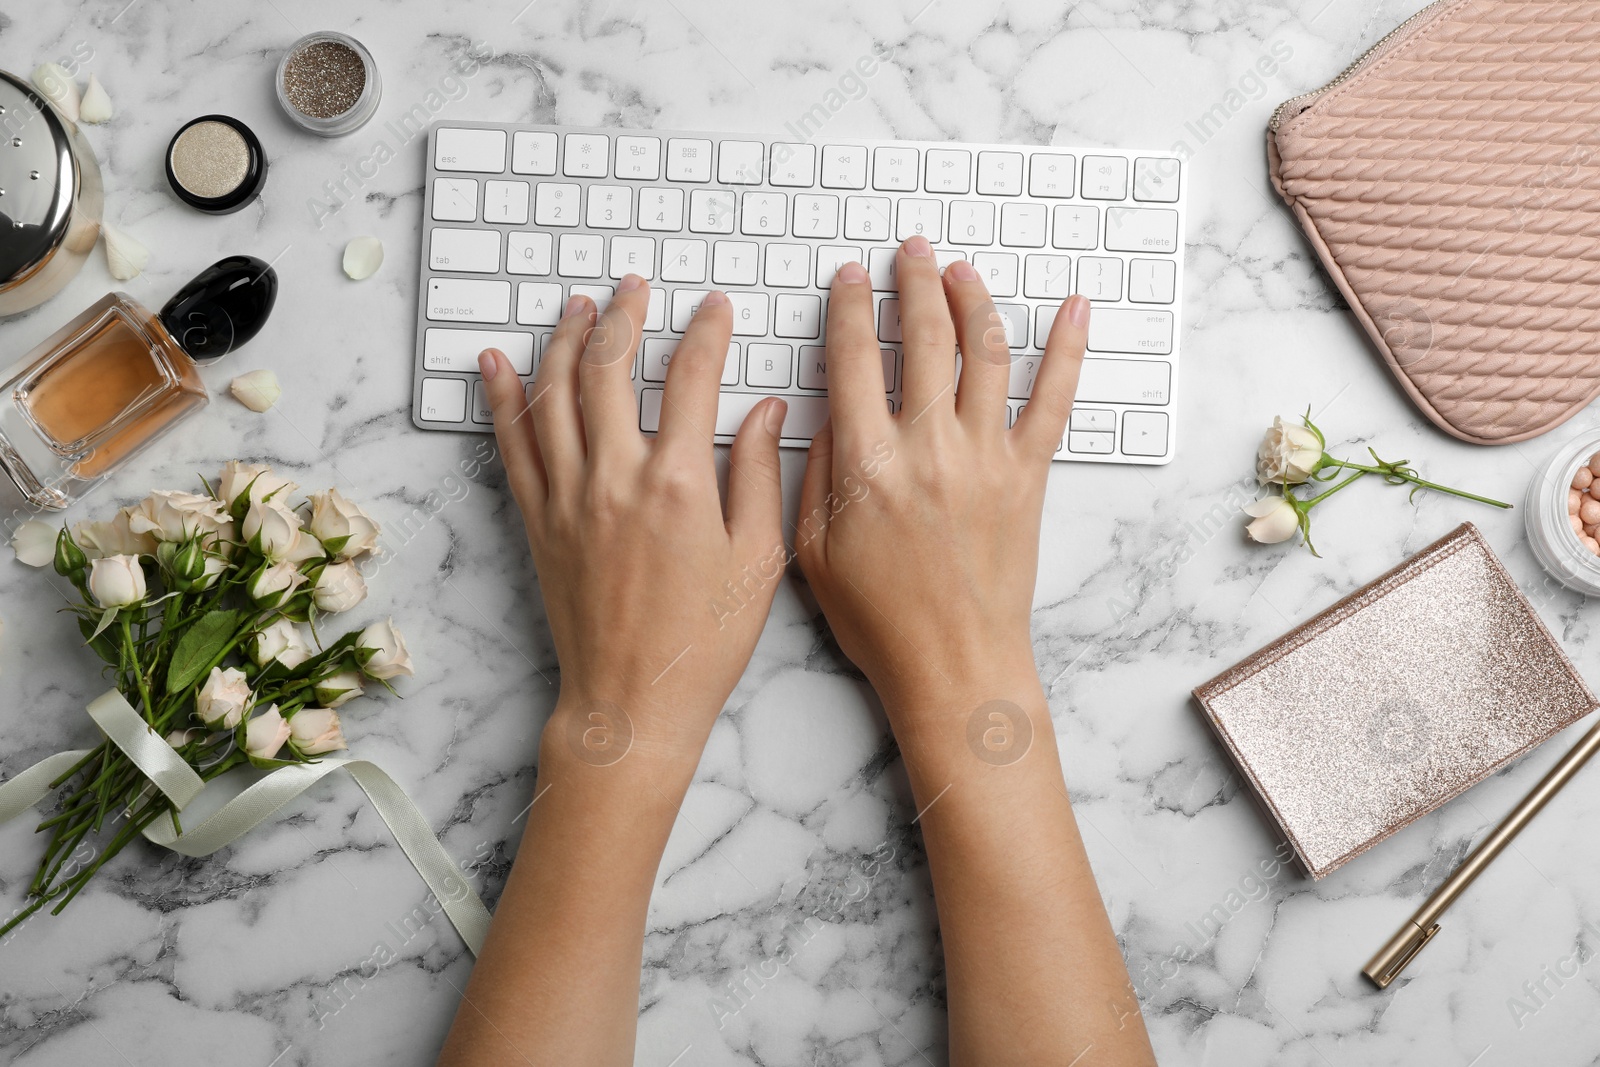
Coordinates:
(117, 377)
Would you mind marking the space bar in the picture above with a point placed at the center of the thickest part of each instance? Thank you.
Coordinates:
(806, 413)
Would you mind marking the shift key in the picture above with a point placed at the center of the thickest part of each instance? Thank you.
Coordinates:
(463, 300)
(1130, 330)
(1124, 381)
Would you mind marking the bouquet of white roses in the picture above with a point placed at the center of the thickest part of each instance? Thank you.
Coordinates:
(194, 603)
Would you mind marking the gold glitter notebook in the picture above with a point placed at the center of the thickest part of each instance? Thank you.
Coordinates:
(1396, 699)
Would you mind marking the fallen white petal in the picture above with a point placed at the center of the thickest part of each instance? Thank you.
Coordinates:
(96, 105)
(125, 257)
(362, 257)
(258, 390)
(57, 85)
(34, 542)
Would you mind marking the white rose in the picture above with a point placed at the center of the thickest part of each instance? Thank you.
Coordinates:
(173, 515)
(389, 657)
(274, 583)
(257, 478)
(316, 730)
(342, 527)
(1275, 520)
(272, 529)
(281, 641)
(265, 734)
(339, 587)
(213, 571)
(114, 538)
(116, 581)
(222, 700)
(1288, 455)
(336, 690)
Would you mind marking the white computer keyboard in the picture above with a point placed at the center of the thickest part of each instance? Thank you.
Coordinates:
(517, 218)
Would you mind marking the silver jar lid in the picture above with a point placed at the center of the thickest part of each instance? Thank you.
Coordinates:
(38, 178)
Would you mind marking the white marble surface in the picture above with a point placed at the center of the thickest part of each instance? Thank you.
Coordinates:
(261, 955)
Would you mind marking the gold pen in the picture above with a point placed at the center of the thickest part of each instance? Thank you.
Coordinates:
(1403, 947)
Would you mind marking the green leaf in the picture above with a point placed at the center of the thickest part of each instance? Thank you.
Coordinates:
(198, 646)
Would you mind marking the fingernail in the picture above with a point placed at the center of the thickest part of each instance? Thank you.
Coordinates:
(488, 366)
(715, 298)
(573, 304)
(1078, 311)
(918, 246)
(775, 414)
(629, 283)
(962, 271)
(851, 273)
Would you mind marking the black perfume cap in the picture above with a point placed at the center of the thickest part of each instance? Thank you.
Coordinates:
(222, 308)
(216, 163)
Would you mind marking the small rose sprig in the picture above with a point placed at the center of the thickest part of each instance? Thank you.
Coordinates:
(1292, 456)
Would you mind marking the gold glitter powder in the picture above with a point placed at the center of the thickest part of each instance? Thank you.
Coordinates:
(324, 79)
(1394, 700)
(210, 159)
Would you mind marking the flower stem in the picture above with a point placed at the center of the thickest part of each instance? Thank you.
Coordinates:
(1325, 494)
(1398, 470)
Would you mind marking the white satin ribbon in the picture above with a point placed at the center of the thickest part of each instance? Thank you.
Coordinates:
(175, 778)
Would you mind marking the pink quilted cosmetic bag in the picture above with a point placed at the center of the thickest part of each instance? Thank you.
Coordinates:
(1449, 181)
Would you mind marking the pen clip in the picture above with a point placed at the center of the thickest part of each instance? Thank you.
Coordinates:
(1386, 966)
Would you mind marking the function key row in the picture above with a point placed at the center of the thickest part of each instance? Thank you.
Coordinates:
(886, 168)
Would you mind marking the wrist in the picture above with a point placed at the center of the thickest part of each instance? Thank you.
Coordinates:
(989, 714)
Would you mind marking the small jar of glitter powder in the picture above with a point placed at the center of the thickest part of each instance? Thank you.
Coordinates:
(328, 84)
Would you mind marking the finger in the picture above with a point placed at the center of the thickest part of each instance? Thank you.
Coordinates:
(927, 334)
(855, 366)
(557, 419)
(755, 501)
(694, 376)
(812, 522)
(605, 374)
(985, 358)
(513, 429)
(1044, 418)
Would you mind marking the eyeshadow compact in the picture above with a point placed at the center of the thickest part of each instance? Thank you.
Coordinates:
(215, 163)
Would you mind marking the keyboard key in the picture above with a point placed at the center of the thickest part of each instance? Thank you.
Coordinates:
(633, 255)
(894, 169)
(1105, 178)
(655, 317)
(1022, 225)
(816, 215)
(585, 155)
(481, 412)
(798, 315)
(579, 255)
(997, 271)
(533, 153)
(750, 312)
(866, 218)
(971, 222)
(539, 303)
(734, 262)
(661, 209)
(889, 319)
(474, 251)
(999, 173)
(472, 150)
(505, 202)
(556, 204)
(1100, 278)
(1076, 227)
(788, 266)
(1144, 433)
(600, 294)
(685, 302)
(711, 211)
(1098, 420)
(639, 157)
(1048, 277)
(768, 366)
(1150, 281)
(657, 356)
(1024, 369)
(830, 258)
(764, 214)
(844, 167)
(1015, 319)
(1141, 229)
(683, 260)
(443, 400)
(1155, 178)
(805, 416)
(793, 165)
(1094, 443)
(446, 349)
(740, 162)
(528, 253)
(688, 160)
(880, 269)
(460, 300)
(610, 207)
(925, 217)
(814, 367)
(1130, 330)
(455, 199)
(949, 170)
(1050, 174)
(1124, 381)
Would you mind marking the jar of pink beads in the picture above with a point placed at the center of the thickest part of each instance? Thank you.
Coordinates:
(1564, 515)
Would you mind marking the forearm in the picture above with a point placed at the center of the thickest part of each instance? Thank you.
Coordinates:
(1034, 973)
(558, 979)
